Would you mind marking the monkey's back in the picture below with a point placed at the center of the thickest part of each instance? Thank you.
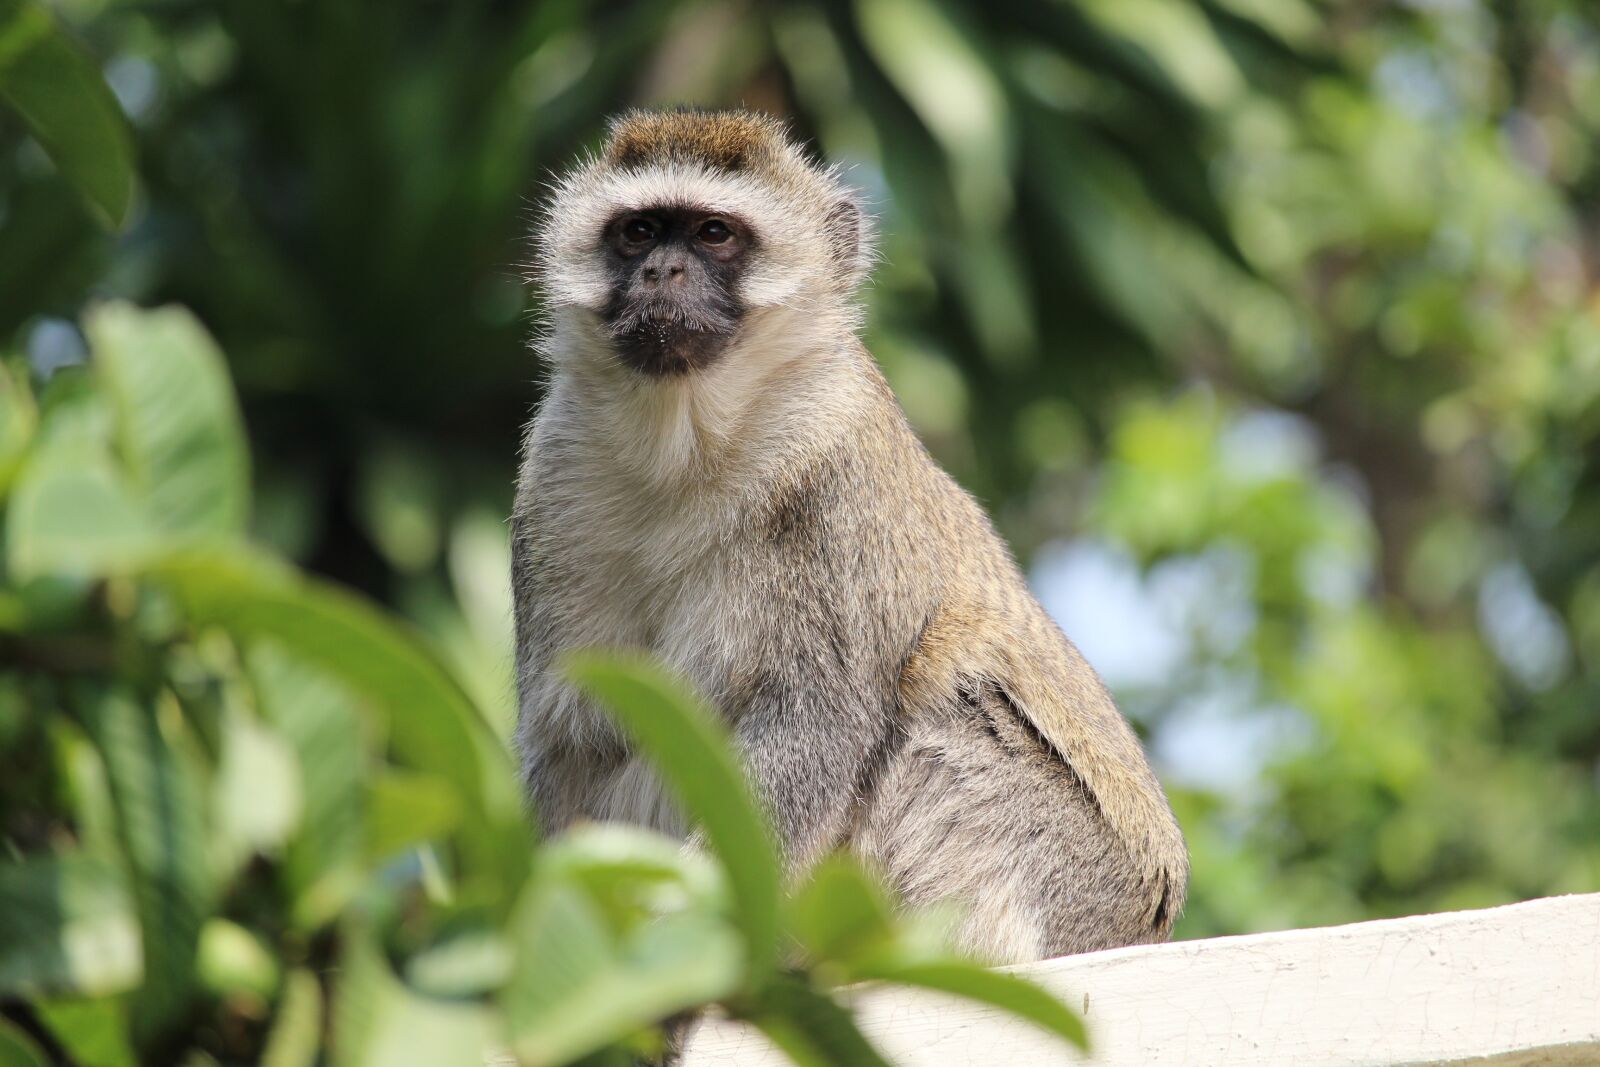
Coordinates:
(1013, 783)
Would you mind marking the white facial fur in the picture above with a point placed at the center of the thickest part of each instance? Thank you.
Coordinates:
(789, 220)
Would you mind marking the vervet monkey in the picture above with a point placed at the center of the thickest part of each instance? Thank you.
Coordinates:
(720, 475)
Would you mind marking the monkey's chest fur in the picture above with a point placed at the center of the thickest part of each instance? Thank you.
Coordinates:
(891, 684)
(624, 567)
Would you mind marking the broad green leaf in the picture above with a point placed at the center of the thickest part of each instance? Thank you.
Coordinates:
(634, 874)
(1008, 992)
(840, 913)
(159, 788)
(234, 960)
(322, 723)
(577, 988)
(60, 94)
(66, 927)
(296, 1034)
(431, 724)
(84, 774)
(563, 948)
(468, 964)
(379, 1022)
(74, 516)
(811, 1029)
(177, 421)
(94, 1032)
(692, 753)
(257, 790)
(429, 720)
(406, 809)
(17, 1049)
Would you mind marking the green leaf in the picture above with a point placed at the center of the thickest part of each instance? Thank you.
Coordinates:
(66, 927)
(94, 1032)
(17, 1049)
(296, 1034)
(405, 809)
(577, 988)
(467, 964)
(18, 419)
(633, 874)
(320, 720)
(159, 788)
(840, 913)
(177, 421)
(379, 1022)
(431, 724)
(811, 1029)
(430, 721)
(68, 107)
(1008, 992)
(257, 790)
(234, 960)
(693, 754)
(74, 516)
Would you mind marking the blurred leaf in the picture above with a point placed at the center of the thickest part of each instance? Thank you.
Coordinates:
(18, 419)
(693, 754)
(632, 873)
(400, 504)
(161, 800)
(178, 425)
(468, 964)
(840, 913)
(576, 988)
(73, 516)
(955, 92)
(811, 1029)
(321, 722)
(257, 789)
(379, 1022)
(405, 809)
(66, 927)
(429, 721)
(66, 104)
(1008, 992)
(17, 1049)
(233, 960)
(296, 1035)
(93, 1032)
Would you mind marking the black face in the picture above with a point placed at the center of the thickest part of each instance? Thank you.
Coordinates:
(674, 304)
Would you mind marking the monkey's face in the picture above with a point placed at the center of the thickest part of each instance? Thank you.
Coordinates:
(675, 272)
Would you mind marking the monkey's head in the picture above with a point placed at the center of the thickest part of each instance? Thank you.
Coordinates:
(692, 226)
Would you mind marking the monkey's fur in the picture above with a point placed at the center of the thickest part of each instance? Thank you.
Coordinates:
(744, 498)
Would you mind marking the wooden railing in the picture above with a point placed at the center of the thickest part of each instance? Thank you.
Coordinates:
(1512, 985)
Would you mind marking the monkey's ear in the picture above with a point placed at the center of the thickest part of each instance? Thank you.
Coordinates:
(846, 225)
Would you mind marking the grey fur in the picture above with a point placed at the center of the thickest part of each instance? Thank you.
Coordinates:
(787, 543)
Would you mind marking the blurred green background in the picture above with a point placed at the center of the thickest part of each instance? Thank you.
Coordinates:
(1268, 330)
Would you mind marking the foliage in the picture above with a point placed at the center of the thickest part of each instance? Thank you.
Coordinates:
(1283, 311)
(260, 819)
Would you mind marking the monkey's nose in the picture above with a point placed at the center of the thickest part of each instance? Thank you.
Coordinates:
(653, 274)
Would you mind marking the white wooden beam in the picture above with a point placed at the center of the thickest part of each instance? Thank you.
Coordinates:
(1513, 985)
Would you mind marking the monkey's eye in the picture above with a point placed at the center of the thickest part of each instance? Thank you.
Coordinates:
(638, 230)
(713, 231)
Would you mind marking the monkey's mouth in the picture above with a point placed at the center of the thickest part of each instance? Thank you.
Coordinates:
(660, 337)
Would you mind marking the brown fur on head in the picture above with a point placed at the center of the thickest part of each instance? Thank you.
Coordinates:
(811, 239)
(725, 140)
